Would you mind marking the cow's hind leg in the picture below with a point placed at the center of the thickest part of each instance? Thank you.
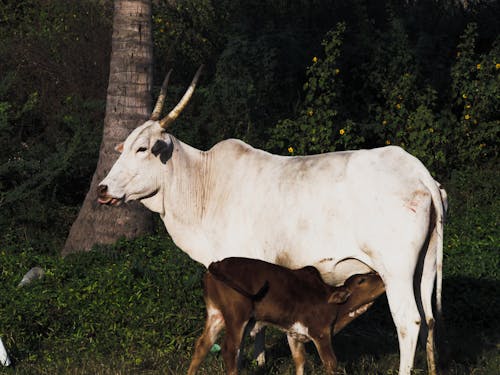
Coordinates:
(213, 326)
(426, 289)
(405, 315)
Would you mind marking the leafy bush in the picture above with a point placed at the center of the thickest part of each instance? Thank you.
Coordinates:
(129, 299)
(319, 126)
(43, 177)
(396, 103)
(52, 89)
(476, 97)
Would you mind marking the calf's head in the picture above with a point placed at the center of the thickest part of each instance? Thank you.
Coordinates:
(339, 295)
(364, 290)
(136, 173)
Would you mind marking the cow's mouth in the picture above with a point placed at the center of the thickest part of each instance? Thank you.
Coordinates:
(109, 200)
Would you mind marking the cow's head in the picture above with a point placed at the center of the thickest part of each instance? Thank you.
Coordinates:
(135, 176)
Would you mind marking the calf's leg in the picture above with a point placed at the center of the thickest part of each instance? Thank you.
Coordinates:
(298, 354)
(260, 347)
(324, 346)
(235, 327)
(213, 326)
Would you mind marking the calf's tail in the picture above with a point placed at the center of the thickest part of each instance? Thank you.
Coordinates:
(220, 276)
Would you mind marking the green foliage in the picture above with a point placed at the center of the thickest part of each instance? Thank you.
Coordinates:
(129, 300)
(51, 108)
(472, 231)
(390, 101)
(476, 98)
(403, 110)
(247, 90)
(42, 177)
(318, 128)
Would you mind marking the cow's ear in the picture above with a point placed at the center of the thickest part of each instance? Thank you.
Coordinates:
(339, 295)
(119, 147)
(163, 148)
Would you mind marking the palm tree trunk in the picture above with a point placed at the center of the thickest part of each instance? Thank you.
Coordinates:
(128, 105)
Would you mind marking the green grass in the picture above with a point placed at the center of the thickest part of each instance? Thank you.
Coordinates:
(137, 307)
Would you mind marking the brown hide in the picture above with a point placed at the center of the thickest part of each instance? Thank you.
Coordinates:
(237, 290)
(365, 289)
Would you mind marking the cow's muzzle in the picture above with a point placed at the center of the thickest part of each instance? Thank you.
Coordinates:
(105, 198)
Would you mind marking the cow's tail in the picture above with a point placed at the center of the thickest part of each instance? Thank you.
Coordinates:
(439, 254)
(234, 285)
(440, 203)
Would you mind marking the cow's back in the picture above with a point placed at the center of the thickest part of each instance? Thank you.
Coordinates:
(297, 211)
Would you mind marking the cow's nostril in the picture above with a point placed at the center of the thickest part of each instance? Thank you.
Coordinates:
(102, 189)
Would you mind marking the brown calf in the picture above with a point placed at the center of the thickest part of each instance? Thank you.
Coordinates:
(237, 290)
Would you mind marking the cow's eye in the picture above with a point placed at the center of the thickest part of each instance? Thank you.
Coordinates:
(142, 149)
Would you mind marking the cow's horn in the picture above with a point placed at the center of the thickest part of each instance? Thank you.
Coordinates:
(155, 116)
(174, 113)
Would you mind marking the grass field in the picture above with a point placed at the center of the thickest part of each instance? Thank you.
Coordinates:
(136, 307)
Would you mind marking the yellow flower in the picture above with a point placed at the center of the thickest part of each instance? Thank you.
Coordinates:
(384, 122)
(398, 106)
(482, 145)
(388, 142)
(497, 66)
(464, 96)
(315, 59)
(431, 130)
(478, 66)
(337, 71)
(310, 112)
(342, 131)
(467, 106)
(467, 116)
(290, 150)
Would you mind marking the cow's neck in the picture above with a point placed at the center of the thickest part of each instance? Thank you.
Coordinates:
(183, 197)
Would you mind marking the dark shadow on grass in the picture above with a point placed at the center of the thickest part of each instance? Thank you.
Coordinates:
(471, 325)
(471, 328)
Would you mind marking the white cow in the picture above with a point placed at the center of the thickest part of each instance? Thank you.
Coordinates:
(4, 358)
(345, 212)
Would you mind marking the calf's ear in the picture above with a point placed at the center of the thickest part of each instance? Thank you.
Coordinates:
(163, 148)
(339, 295)
(119, 147)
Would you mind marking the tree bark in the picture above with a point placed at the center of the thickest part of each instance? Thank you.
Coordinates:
(128, 105)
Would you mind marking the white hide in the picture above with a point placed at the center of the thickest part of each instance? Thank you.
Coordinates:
(342, 212)
(35, 273)
(4, 358)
